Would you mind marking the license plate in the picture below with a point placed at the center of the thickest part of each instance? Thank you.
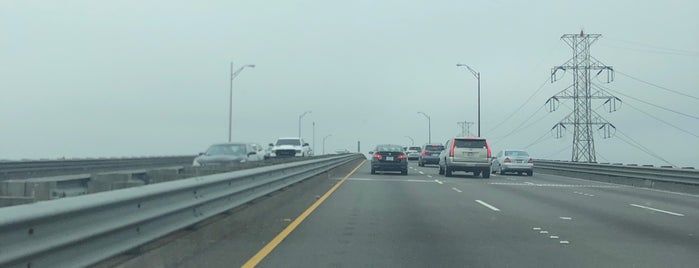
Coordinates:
(389, 158)
(519, 161)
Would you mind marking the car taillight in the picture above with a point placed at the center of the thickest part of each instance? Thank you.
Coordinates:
(507, 160)
(487, 146)
(378, 156)
(451, 151)
(401, 156)
(530, 161)
(424, 153)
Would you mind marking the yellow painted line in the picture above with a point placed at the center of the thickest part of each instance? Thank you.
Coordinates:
(255, 260)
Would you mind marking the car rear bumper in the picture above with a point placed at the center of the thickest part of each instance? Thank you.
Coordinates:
(385, 165)
(517, 167)
(468, 166)
(429, 159)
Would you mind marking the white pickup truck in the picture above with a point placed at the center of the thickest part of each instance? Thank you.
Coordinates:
(290, 147)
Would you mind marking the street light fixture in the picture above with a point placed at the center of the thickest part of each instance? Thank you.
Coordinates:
(429, 127)
(412, 142)
(324, 142)
(300, 117)
(230, 101)
(478, 77)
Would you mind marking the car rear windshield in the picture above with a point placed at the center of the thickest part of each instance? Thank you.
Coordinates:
(516, 153)
(289, 142)
(470, 144)
(434, 147)
(389, 148)
(227, 149)
(414, 148)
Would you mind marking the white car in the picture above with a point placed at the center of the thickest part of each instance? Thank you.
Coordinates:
(413, 152)
(290, 147)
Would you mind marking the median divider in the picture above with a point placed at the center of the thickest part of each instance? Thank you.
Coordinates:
(83, 230)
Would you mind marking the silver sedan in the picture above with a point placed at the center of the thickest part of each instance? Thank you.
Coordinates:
(510, 160)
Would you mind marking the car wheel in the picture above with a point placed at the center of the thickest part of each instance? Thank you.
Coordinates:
(519, 173)
(441, 170)
(502, 172)
(404, 172)
(530, 173)
(486, 173)
(476, 173)
(373, 171)
(447, 172)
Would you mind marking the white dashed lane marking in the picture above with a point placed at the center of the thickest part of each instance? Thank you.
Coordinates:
(487, 205)
(438, 181)
(456, 189)
(658, 210)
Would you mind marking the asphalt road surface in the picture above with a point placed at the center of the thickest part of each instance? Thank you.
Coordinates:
(427, 220)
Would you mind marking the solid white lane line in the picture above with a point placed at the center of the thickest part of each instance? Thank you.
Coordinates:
(529, 183)
(487, 205)
(658, 210)
(438, 181)
(388, 180)
(454, 188)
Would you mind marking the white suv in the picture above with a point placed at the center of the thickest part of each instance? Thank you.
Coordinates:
(466, 154)
(290, 147)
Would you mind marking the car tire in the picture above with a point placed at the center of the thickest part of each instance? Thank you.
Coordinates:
(530, 173)
(486, 173)
(447, 172)
(373, 171)
(502, 172)
(404, 172)
(441, 170)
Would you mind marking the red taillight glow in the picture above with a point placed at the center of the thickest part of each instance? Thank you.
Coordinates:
(487, 146)
(507, 160)
(424, 153)
(530, 161)
(378, 156)
(451, 150)
(401, 156)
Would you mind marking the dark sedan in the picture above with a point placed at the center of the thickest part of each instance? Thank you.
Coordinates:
(389, 157)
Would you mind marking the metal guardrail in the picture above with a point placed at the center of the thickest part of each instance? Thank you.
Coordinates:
(23, 169)
(83, 230)
(673, 175)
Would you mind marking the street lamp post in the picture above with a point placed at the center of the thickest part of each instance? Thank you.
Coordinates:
(324, 142)
(300, 117)
(478, 77)
(234, 74)
(429, 127)
(412, 142)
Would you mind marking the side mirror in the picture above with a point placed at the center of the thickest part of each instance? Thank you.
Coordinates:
(371, 152)
(200, 154)
(270, 145)
(305, 144)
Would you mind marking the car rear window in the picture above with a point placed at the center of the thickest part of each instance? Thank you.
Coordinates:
(434, 147)
(388, 148)
(470, 144)
(414, 148)
(516, 153)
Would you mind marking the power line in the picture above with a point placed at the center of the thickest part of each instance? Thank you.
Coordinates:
(648, 103)
(520, 107)
(695, 53)
(523, 122)
(660, 87)
(537, 141)
(662, 121)
(642, 148)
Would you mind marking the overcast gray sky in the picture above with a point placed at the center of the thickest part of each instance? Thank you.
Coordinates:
(135, 78)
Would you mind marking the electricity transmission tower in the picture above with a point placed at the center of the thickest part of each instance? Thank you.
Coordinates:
(465, 128)
(583, 118)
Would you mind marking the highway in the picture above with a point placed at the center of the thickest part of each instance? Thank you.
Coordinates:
(427, 220)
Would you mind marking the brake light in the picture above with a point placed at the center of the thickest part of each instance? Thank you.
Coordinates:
(507, 160)
(424, 153)
(401, 156)
(378, 156)
(530, 161)
(451, 151)
(487, 146)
